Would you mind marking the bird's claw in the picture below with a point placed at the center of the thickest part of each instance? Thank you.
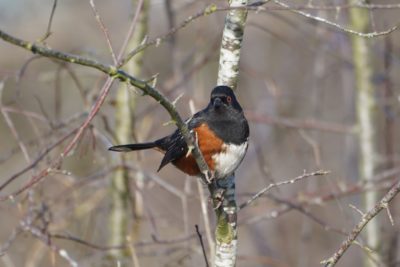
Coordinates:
(218, 198)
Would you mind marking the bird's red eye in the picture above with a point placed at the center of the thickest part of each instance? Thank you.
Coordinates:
(229, 99)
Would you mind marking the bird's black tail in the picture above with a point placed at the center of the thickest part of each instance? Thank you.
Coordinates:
(132, 147)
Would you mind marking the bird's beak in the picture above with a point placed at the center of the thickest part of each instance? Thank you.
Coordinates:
(217, 102)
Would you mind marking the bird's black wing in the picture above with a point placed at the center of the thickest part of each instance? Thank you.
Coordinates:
(174, 145)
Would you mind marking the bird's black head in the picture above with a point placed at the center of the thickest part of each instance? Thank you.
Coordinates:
(225, 116)
(223, 98)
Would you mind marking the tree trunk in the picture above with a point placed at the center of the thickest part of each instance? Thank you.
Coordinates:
(365, 112)
(119, 223)
(226, 229)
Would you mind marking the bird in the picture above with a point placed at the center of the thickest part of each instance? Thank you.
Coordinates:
(221, 131)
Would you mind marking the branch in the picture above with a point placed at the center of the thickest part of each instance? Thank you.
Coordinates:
(311, 124)
(49, 24)
(202, 245)
(231, 43)
(256, 6)
(158, 40)
(223, 190)
(270, 186)
(337, 25)
(104, 30)
(36, 161)
(86, 243)
(366, 218)
(113, 73)
(359, 4)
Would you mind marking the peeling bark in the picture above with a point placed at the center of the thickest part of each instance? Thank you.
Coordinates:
(226, 230)
(230, 45)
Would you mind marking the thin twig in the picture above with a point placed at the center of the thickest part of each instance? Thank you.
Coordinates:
(154, 241)
(49, 24)
(283, 209)
(337, 25)
(85, 243)
(103, 93)
(303, 210)
(300, 124)
(14, 132)
(7, 243)
(158, 40)
(26, 113)
(206, 218)
(349, 189)
(161, 182)
(359, 4)
(315, 146)
(270, 186)
(112, 72)
(132, 249)
(41, 233)
(202, 245)
(104, 30)
(366, 218)
(35, 162)
(129, 35)
(256, 7)
(5, 156)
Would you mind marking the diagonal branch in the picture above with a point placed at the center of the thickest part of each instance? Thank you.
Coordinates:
(270, 186)
(337, 25)
(49, 24)
(366, 218)
(114, 73)
(104, 30)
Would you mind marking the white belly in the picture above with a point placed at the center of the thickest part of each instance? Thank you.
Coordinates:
(229, 159)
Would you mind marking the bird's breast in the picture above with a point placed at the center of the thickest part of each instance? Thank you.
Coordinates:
(230, 157)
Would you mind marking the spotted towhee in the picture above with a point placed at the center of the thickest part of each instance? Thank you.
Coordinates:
(221, 132)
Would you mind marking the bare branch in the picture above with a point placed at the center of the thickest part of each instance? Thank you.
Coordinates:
(337, 25)
(104, 30)
(49, 24)
(366, 218)
(35, 162)
(359, 4)
(7, 243)
(14, 132)
(309, 124)
(206, 219)
(256, 7)
(129, 35)
(113, 73)
(84, 242)
(157, 41)
(291, 181)
(202, 245)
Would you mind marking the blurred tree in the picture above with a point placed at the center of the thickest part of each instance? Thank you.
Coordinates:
(121, 212)
(366, 121)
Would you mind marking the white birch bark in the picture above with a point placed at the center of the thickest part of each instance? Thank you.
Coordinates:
(226, 231)
(231, 43)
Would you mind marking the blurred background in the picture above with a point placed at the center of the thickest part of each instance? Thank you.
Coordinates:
(298, 86)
